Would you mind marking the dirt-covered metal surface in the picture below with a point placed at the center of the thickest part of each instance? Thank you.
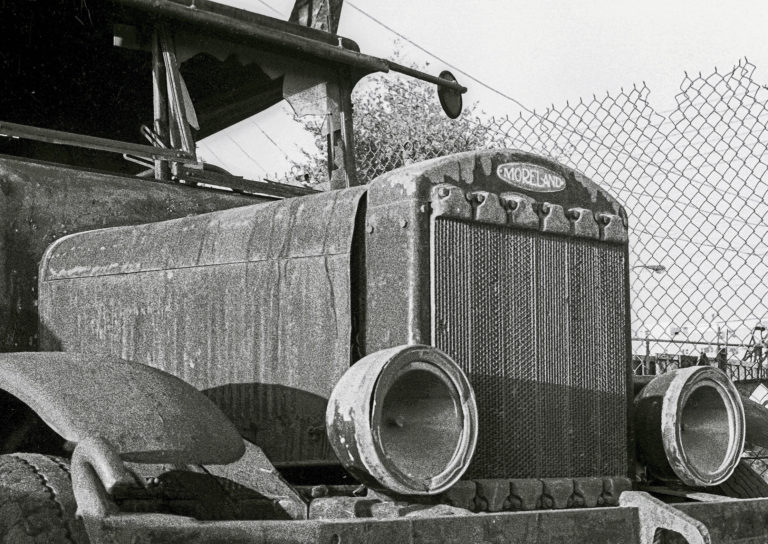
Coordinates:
(41, 202)
(147, 415)
(499, 171)
(251, 305)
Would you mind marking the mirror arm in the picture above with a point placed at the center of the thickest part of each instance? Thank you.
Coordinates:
(418, 74)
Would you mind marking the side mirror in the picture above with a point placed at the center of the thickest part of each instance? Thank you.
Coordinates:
(450, 99)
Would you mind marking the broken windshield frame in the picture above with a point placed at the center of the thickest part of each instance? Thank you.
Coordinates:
(272, 59)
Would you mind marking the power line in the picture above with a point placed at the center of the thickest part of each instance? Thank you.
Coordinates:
(533, 112)
(649, 163)
(273, 142)
(737, 319)
(618, 186)
(666, 136)
(687, 240)
(251, 157)
(671, 172)
(205, 146)
(263, 3)
(420, 48)
(674, 171)
(679, 206)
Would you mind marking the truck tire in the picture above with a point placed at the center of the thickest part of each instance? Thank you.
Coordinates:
(36, 501)
(748, 480)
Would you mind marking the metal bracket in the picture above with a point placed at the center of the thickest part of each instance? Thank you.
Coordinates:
(525, 494)
(461, 494)
(449, 200)
(584, 224)
(489, 209)
(97, 470)
(557, 493)
(521, 212)
(554, 219)
(587, 492)
(176, 103)
(492, 495)
(655, 514)
(612, 228)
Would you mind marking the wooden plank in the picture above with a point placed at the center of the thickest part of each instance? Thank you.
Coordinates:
(177, 108)
(159, 105)
(91, 142)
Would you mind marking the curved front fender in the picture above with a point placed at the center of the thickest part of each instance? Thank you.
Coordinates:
(148, 415)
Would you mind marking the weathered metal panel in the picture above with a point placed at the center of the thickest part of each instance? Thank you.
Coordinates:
(479, 171)
(250, 305)
(609, 526)
(148, 416)
(41, 202)
(397, 275)
(736, 521)
(555, 371)
(395, 308)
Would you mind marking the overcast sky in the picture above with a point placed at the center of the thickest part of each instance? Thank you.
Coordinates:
(539, 53)
(546, 51)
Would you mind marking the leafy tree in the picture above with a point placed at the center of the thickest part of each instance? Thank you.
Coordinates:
(399, 121)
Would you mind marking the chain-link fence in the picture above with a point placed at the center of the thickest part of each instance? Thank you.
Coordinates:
(692, 181)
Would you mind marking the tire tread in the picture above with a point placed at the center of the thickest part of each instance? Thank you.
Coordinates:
(36, 501)
(748, 481)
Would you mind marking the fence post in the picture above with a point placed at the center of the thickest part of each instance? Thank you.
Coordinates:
(722, 359)
(650, 367)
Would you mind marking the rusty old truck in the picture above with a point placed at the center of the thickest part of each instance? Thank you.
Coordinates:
(440, 355)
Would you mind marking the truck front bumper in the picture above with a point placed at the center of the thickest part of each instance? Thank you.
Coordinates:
(635, 521)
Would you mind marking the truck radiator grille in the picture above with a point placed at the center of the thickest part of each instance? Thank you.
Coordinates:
(538, 324)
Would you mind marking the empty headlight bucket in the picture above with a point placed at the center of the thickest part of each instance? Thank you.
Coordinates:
(404, 419)
(690, 426)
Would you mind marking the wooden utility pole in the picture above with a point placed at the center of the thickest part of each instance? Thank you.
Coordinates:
(320, 14)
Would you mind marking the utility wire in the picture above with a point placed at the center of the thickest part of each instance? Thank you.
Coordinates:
(273, 142)
(206, 148)
(518, 139)
(738, 320)
(263, 3)
(672, 173)
(247, 154)
(675, 204)
(515, 101)
(646, 165)
(528, 110)
(601, 143)
(687, 240)
(420, 48)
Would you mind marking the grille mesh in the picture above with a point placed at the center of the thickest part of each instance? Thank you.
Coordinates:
(538, 324)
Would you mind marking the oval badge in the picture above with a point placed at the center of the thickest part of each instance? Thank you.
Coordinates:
(530, 177)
